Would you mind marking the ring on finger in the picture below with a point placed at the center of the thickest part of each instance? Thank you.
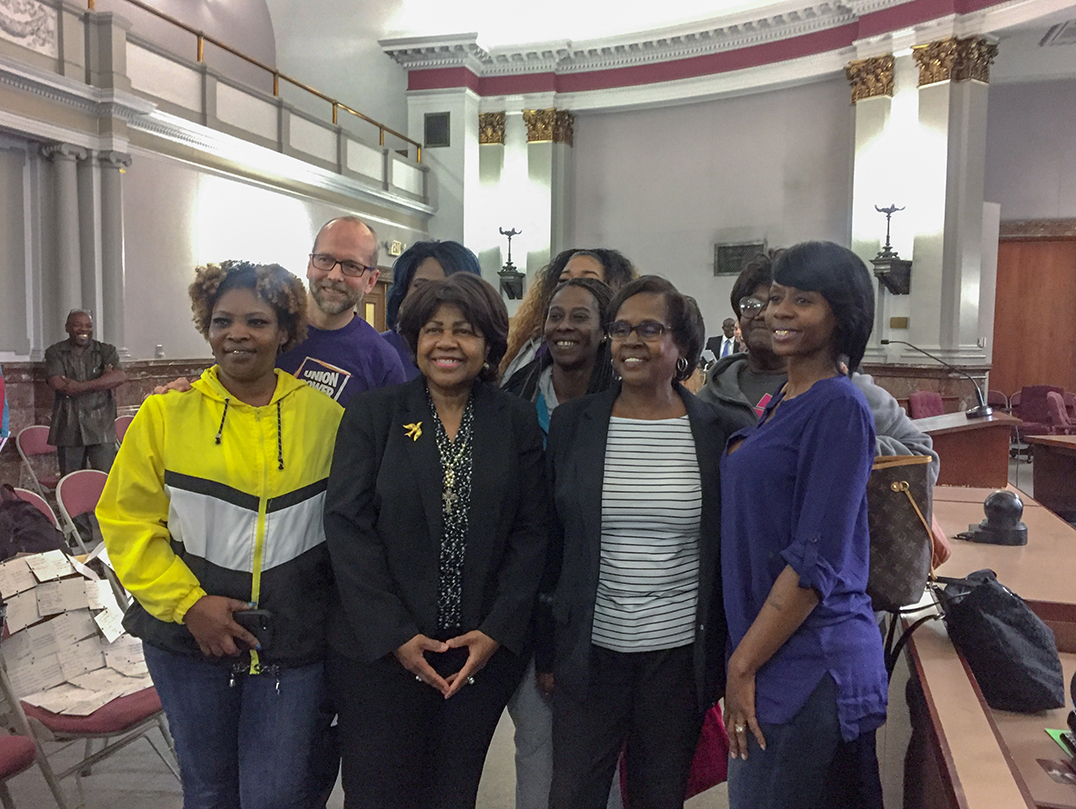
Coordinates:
(419, 679)
(740, 728)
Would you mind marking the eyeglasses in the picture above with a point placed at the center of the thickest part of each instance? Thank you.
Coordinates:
(751, 307)
(323, 262)
(647, 329)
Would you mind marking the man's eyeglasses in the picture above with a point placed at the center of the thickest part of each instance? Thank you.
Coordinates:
(647, 330)
(751, 307)
(323, 262)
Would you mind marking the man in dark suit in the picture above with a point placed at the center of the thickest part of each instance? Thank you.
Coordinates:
(725, 345)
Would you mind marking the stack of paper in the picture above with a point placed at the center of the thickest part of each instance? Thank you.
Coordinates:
(67, 652)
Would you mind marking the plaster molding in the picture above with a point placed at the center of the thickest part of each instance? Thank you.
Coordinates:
(64, 151)
(270, 163)
(95, 101)
(115, 160)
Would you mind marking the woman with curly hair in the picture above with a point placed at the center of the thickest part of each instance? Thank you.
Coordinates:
(419, 264)
(525, 336)
(212, 519)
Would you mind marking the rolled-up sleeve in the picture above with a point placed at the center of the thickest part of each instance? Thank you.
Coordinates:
(830, 495)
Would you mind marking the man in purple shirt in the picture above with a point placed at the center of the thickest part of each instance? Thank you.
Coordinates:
(343, 354)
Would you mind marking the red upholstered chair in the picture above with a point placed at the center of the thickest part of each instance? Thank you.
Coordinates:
(77, 493)
(17, 755)
(119, 723)
(997, 400)
(41, 504)
(925, 403)
(1070, 404)
(122, 423)
(1060, 424)
(33, 442)
(1034, 412)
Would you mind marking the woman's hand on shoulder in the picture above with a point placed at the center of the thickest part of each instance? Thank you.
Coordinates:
(411, 656)
(480, 648)
(211, 623)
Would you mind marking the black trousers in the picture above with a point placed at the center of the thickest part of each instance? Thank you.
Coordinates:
(644, 698)
(403, 745)
(94, 456)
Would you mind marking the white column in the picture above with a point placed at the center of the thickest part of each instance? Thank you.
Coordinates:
(67, 271)
(113, 165)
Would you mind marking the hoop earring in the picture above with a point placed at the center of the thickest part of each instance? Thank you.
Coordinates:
(681, 365)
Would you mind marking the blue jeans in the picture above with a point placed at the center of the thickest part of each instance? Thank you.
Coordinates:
(806, 763)
(244, 745)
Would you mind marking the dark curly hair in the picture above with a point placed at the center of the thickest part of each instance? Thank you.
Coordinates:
(272, 283)
(479, 302)
(685, 319)
(842, 278)
(452, 256)
(530, 317)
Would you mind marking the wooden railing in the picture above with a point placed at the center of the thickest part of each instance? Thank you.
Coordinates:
(336, 105)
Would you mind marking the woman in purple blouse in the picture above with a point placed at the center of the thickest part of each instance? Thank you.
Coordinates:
(806, 679)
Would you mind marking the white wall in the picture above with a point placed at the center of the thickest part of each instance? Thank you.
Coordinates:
(1031, 150)
(664, 185)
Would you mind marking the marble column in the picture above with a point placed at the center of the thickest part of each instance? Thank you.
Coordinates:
(113, 166)
(64, 283)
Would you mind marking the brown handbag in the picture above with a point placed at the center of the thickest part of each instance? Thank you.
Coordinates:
(899, 505)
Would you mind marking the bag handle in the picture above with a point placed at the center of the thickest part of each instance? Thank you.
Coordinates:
(902, 486)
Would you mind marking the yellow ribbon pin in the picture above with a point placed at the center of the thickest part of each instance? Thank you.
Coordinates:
(413, 431)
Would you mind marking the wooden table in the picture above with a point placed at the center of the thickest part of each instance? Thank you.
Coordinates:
(965, 754)
(974, 452)
(1055, 471)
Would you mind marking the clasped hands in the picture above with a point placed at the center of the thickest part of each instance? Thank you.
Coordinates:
(412, 656)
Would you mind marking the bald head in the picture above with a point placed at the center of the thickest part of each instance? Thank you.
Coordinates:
(356, 232)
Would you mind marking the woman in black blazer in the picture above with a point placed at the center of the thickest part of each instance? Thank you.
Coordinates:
(639, 622)
(437, 520)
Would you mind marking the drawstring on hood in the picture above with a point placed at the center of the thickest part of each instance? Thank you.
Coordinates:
(224, 415)
(279, 432)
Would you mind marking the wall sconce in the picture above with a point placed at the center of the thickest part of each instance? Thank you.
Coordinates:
(894, 272)
(511, 278)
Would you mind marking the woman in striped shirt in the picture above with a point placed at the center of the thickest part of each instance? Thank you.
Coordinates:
(639, 624)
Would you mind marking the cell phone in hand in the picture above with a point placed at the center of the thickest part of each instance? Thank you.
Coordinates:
(258, 623)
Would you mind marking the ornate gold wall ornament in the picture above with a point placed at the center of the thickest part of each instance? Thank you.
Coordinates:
(564, 128)
(870, 77)
(491, 128)
(540, 124)
(955, 59)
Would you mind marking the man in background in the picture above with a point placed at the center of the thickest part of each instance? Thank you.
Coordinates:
(83, 372)
(725, 345)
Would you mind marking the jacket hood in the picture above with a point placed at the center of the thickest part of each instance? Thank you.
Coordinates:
(723, 379)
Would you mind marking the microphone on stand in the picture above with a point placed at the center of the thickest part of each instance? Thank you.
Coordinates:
(982, 410)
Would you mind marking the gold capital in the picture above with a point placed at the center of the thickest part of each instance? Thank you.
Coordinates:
(870, 77)
(548, 125)
(564, 128)
(491, 128)
(955, 59)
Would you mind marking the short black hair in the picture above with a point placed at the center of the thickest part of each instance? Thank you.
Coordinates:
(685, 319)
(757, 272)
(452, 256)
(479, 302)
(844, 281)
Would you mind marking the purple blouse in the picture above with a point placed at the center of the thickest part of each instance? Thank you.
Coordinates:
(795, 494)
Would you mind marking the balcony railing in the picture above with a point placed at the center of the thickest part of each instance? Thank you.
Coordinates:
(336, 106)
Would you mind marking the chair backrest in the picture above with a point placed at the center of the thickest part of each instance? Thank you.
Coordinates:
(34, 441)
(995, 398)
(122, 423)
(40, 503)
(1033, 402)
(1056, 405)
(1070, 404)
(925, 403)
(1014, 402)
(78, 492)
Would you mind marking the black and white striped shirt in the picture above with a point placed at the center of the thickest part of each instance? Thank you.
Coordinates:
(651, 511)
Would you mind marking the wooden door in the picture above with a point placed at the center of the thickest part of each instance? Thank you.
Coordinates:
(1035, 315)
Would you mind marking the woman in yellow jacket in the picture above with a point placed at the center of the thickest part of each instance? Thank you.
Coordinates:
(212, 517)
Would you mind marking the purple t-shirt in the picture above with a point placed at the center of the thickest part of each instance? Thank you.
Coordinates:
(795, 493)
(343, 362)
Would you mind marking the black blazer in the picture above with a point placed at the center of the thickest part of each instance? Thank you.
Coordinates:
(384, 525)
(577, 437)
